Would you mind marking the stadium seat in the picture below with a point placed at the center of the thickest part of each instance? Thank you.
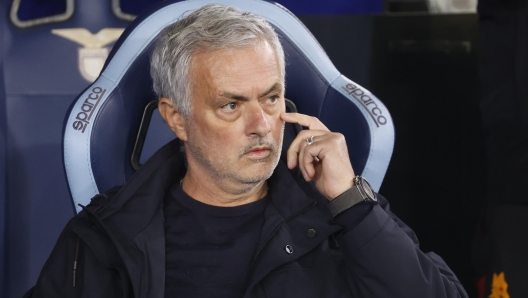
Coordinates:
(101, 129)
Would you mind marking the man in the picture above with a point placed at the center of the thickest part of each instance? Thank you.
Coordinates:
(229, 218)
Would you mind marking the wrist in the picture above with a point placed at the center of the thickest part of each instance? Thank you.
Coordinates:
(360, 191)
(338, 191)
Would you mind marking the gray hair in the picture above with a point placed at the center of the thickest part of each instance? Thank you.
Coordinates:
(212, 27)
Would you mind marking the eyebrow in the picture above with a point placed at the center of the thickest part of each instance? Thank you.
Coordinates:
(234, 96)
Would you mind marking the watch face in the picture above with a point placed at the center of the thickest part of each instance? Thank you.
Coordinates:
(366, 189)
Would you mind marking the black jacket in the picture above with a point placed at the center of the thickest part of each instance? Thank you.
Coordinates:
(117, 246)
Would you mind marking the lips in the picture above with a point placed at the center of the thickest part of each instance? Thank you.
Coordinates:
(259, 152)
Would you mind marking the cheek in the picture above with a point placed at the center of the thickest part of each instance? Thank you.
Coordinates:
(277, 132)
(225, 136)
(278, 123)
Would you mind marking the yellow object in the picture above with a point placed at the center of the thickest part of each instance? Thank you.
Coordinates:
(499, 286)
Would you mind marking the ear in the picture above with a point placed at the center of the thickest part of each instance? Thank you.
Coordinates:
(173, 117)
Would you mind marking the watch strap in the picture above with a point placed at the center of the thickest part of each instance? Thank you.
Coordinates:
(345, 200)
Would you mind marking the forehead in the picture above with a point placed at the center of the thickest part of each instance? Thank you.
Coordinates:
(232, 65)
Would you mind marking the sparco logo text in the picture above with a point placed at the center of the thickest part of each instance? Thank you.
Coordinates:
(88, 107)
(367, 102)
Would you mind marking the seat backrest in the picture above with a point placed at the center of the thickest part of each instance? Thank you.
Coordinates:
(103, 122)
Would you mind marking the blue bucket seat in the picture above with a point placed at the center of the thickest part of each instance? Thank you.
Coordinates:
(104, 121)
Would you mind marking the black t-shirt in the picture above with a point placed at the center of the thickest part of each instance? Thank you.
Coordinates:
(209, 249)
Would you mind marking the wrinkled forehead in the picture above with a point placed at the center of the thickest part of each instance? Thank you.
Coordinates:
(240, 72)
(211, 58)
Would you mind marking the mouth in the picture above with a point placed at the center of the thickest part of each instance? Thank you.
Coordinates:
(259, 152)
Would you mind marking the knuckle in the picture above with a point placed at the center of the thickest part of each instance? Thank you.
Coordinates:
(339, 138)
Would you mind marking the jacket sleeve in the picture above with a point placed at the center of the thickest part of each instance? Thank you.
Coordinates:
(384, 259)
(97, 274)
(56, 277)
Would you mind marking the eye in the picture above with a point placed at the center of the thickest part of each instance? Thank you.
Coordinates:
(229, 107)
(273, 98)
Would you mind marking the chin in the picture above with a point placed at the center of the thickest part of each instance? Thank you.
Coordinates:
(258, 170)
(257, 175)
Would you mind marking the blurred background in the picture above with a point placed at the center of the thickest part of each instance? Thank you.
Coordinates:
(420, 57)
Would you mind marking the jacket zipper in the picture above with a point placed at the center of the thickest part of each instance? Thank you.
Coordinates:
(75, 261)
(76, 255)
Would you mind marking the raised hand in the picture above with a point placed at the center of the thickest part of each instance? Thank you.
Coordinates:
(322, 156)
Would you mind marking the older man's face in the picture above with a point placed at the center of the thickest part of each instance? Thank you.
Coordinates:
(235, 132)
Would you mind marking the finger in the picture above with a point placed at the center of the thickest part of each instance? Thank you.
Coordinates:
(304, 120)
(307, 156)
(312, 155)
(302, 166)
(297, 144)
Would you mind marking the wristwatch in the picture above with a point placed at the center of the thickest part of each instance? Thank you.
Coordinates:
(360, 192)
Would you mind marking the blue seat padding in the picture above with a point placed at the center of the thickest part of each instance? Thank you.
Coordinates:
(97, 149)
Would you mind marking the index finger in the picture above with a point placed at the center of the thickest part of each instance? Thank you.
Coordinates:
(304, 120)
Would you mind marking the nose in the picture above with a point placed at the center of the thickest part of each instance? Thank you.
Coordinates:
(258, 122)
